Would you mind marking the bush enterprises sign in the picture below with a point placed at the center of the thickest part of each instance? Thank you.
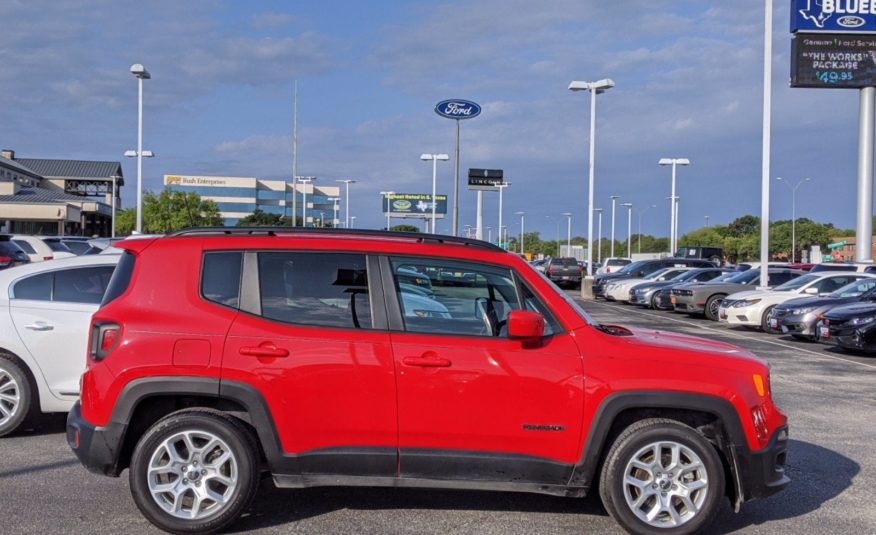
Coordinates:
(414, 205)
(485, 179)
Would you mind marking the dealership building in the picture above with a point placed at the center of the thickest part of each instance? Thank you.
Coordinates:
(238, 197)
(57, 197)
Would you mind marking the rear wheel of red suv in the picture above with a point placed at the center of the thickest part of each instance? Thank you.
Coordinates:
(662, 475)
(195, 471)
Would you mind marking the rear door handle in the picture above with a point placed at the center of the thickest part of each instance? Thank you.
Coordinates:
(427, 362)
(265, 349)
(39, 326)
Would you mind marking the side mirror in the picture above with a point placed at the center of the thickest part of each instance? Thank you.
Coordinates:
(525, 325)
(811, 291)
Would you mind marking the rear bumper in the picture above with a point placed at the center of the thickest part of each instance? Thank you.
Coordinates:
(762, 473)
(97, 448)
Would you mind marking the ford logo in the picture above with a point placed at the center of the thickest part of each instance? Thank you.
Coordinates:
(457, 109)
(850, 21)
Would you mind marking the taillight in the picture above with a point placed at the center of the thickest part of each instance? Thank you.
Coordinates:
(5, 260)
(608, 270)
(104, 338)
(47, 258)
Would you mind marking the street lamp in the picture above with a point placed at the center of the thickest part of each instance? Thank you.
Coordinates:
(595, 88)
(673, 222)
(305, 180)
(434, 158)
(140, 73)
(614, 199)
(521, 214)
(599, 249)
(629, 207)
(640, 223)
(707, 221)
(501, 188)
(334, 201)
(568, 232)
(387, 201)
(793, 214)
(347, 182)
(490, 234)
(113, 204)
(352, 221)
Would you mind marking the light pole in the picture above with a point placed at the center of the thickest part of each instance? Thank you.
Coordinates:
(793, 214)
(521, 214)
(599, 249)
(673, 223)
(629, 207)
(347, 183)
(113, 201)
(707, 221)
(501, 191)
(334, 201)
(352, 221)
(595, 88)
(140, 73)
(568, 232)
(640, 223)
(435, 158)
(387, 201)
(614, 199)
(306, 180)
(490, 234)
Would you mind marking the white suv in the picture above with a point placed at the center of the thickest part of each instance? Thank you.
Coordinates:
(45, 311)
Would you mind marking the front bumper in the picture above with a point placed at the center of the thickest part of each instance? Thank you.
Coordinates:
(798, 324)
(687, 304)
(97, 448)
(849, 338)
(762, 473)
(749, 316)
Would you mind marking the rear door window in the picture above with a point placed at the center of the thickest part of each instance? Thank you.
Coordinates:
(315, 289)
(82, 285)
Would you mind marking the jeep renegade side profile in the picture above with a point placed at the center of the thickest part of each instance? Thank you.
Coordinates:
(404, 360)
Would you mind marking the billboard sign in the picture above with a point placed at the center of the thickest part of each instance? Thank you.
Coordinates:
(833, 60)
(414, 205)
(485, 179)
(833, 16)
(457, 109)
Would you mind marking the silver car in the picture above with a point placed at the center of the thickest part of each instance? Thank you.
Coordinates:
(705, 297)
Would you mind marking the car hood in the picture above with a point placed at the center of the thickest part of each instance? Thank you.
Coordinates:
(852, 311)
(814, 301)
(728, 287)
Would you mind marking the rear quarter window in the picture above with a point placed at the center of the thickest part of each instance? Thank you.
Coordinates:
(120, 280)
(220, 278)
(26, 247)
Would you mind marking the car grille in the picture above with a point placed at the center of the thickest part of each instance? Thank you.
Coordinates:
(682, 292)
(780, 313)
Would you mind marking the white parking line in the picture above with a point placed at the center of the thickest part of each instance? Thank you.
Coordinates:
(733, 334)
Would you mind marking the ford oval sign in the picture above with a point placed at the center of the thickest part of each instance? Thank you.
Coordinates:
(457, 109)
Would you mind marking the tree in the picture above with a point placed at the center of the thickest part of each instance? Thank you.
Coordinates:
(404, 228)
(260, 218)
(170, 211)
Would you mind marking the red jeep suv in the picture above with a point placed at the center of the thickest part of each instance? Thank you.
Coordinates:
(367, 358)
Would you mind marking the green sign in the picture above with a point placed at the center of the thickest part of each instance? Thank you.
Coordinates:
(837, 245)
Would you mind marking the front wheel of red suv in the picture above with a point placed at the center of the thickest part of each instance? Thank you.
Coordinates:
(194, 471)
(662, 476)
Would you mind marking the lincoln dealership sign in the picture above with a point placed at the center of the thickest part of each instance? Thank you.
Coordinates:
(457, 109)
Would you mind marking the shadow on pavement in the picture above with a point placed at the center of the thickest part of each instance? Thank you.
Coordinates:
(42, 424)
(817, 476)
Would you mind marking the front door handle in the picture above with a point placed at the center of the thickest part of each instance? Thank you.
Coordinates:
(265, 349)
(39, 326)
(426, 361)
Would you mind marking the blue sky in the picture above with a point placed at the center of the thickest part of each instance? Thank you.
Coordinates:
(688, 75)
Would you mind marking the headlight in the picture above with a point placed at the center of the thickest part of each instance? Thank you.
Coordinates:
(745, 303)
(863, 321)
(804, 310)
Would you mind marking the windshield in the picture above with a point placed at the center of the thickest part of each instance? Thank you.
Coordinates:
(744, 277)
(571, 302)
(796, 284)
(629, 268)
(57, 246)
(854, 289)
(688, 275)
(657, 273)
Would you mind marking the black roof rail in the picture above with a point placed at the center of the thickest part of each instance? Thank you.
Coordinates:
(273, 231)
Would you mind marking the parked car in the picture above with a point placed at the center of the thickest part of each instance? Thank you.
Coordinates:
(45, 311)
(80, 245)
(745, 266)
(11, 254)
(752, 308)
(296, 353)
(564, 271)
(798, 317)
(851, 327)
(860, 267)
(41, 248)
(619, 290)
(705, 297)
(713, 254)
(651, 293)
(612, 264)
(643, 268)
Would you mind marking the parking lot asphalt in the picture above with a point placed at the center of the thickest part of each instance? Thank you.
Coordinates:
(828, 396)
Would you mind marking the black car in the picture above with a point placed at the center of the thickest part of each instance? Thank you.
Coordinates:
(643, 268)
(850, 327)
(799, 316)
(11, 254)
(648, 293)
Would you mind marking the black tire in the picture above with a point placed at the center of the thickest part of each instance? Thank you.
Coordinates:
(14, 381)
(765, 321)
(654, 301)
(639, 436)
(712, 305)
(241, 444)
